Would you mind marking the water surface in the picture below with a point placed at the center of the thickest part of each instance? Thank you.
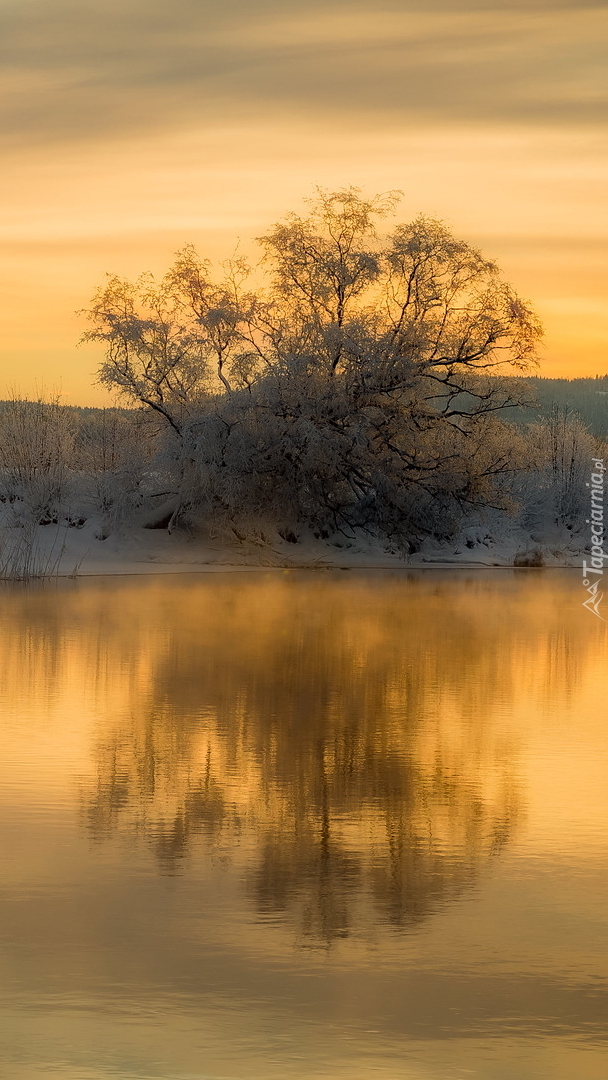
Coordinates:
(304, 825)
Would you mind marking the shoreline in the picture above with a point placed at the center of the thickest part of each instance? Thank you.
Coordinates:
(61, 552)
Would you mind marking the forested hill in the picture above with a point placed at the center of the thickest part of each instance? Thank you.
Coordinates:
(586, 397)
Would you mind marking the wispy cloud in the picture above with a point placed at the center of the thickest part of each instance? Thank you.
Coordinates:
(73, 71)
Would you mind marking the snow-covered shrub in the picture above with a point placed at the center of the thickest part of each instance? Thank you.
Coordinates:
(36, 444)
(113, 457)
(552, 490)
(317, 453)
(36, 439)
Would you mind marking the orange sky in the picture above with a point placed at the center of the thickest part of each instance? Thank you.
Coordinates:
(129, 129)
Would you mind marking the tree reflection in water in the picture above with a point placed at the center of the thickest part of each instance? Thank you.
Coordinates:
(339, 737)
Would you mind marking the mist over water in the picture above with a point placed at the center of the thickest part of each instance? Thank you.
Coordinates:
(304, 824)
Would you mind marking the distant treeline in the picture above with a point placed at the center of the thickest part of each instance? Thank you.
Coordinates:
(586, 397)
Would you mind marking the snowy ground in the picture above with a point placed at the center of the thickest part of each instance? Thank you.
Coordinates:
(72, 551)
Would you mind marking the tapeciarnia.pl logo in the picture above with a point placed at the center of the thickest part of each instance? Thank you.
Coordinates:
(593, 571)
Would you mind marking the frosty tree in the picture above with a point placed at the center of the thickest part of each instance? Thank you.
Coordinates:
(165, 341)
(363, 387)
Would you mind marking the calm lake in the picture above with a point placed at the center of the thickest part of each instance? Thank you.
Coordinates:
(301, 825)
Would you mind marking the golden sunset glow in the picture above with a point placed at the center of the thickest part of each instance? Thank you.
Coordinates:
(333, 795)
(130, 130)
(446, 708)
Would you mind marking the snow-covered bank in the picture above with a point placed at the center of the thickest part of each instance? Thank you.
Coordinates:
(61, 550)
